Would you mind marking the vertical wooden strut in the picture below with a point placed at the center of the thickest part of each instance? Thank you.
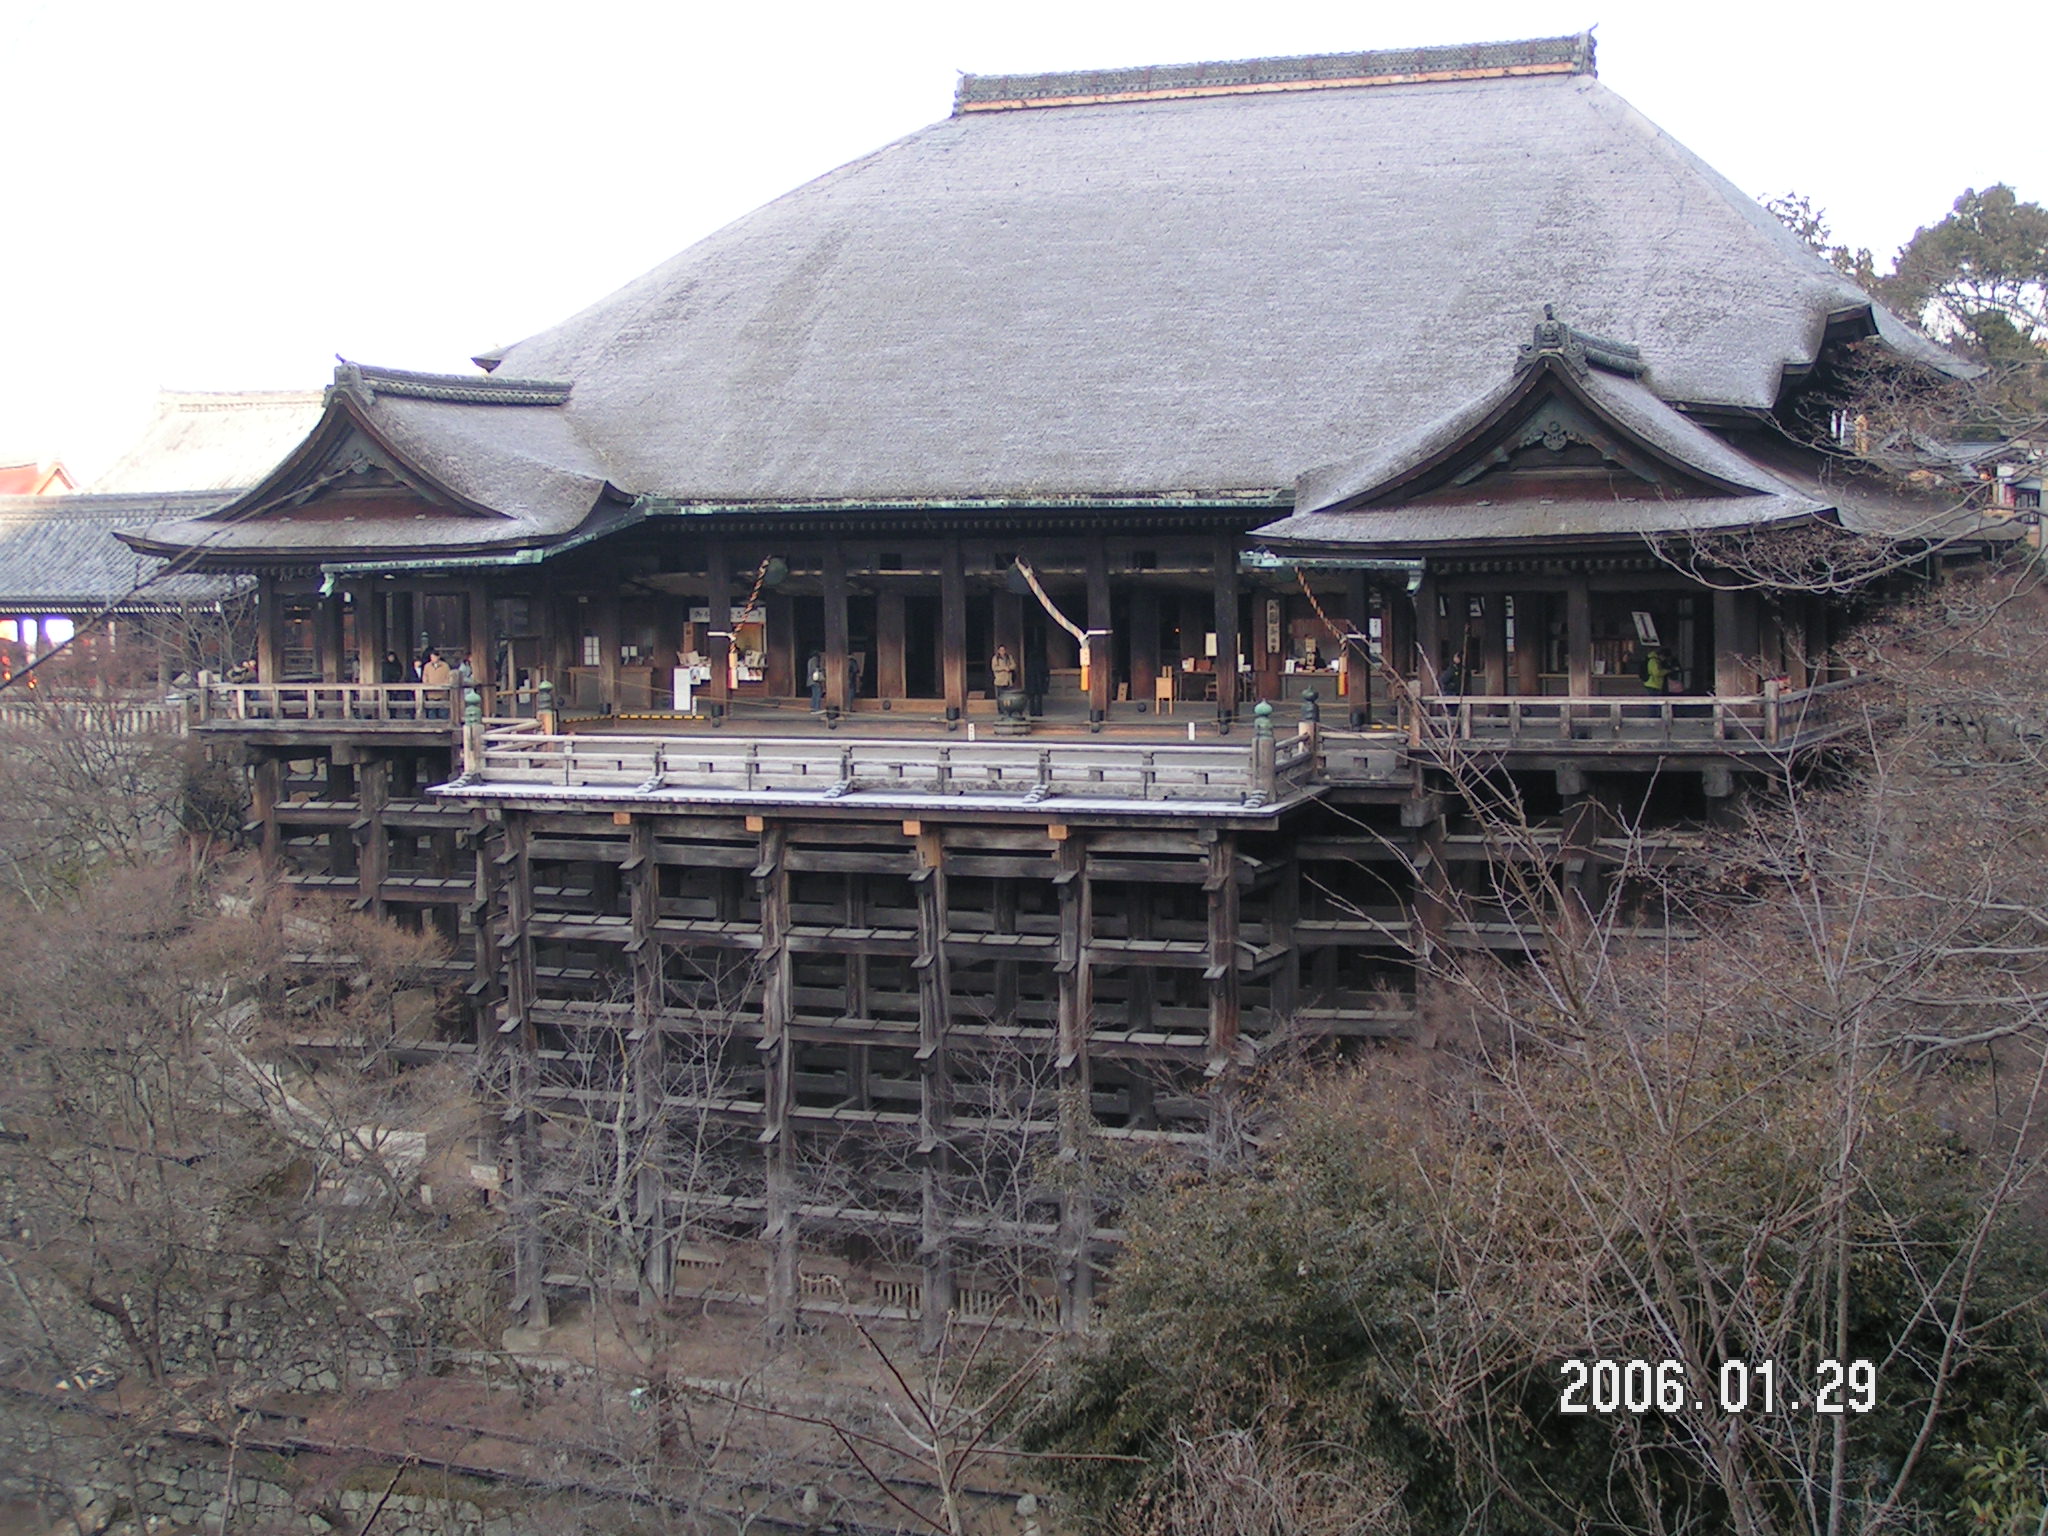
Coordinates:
(646, 1060)
(953, 627)
(935, 1079)
(835, 629)
(373, 791)
(777, 1085)
(1221, 973)
(516, 1041)
(718, 642)
(1077, 1110)
(1226, 629)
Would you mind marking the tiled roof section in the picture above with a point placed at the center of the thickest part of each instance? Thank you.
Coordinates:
(59, 553)
(448, 388)
(211, 442)
(1316, 71)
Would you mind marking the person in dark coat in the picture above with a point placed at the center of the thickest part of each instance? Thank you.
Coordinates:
(1036, 678)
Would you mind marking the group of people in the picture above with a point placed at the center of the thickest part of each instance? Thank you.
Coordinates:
(430, 669)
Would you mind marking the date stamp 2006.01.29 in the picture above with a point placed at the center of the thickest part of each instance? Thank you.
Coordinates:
(1738, 1386)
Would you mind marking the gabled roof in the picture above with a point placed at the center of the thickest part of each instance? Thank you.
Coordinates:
(407, 463)
(211, 442)
(58, 554)
(1570, 447)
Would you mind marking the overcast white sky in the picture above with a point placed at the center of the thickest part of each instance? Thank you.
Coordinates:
(223, 194)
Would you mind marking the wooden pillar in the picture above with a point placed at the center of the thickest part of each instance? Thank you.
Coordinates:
(890, 628)
(1224, 1015)
(1356, 661)
(405, 627)
(1144, 643)
(835, 629)
(1734, 643)
(777, 1010)
(1578, 638)
(483, 644)
(266, 789)
(608, 630)
(1283, 911)
(718, 638)
(327, 636)
(1102, 651)
(518, 1039)
(1075, 1077)
(1429, 651)
(1529, 631)
(935, 1084)
(367, 602)
(1226, 628)
(373, 794)
(953, 627)
(647, 1061)
(269, 632)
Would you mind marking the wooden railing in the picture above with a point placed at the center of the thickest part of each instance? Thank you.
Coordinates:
(1774, 718)
(408, 703)
(110, 717)
(1213, 774)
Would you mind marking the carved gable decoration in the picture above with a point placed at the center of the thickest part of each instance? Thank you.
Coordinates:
(1556, 432)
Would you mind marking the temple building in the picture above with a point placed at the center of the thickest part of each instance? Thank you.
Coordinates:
(971, 658)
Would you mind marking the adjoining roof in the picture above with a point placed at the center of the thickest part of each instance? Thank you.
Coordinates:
(1198, 294)
(211, 442)
(58, 554)
(35, 478)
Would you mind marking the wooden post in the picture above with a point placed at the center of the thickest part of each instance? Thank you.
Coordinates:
(608, 633)
(648, 1062)
(1101, 644)
(1226, 629)
(269, 631)
(835, 629)
(373, 793)
(1429, 649)
(777, 1089)
(1357, 662)
(1144, 643)
(953, 627)
(1075, 1079)
(1578, 639)
(266, 789)
(483, 644)
(517, 1036)
(718, 637)
(935, 1085)
(370, 627)
(1224, 1012)
(327, 636)
(1734, 643)
(890, 627)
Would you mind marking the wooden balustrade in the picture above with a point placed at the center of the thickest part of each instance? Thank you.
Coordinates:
(833, 767)
(1774, 718)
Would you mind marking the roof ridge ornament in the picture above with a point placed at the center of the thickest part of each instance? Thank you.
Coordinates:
(1578, 349)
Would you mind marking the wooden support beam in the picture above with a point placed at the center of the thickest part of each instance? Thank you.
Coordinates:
(608, 637)
(777, 1010)
(1224, 1016)
(1429, 632)
(327, 636)
(517, 1036)
(890, 630)
(647, 1066)
(269, 631)
(935, 1089)
(1102, 658)
(371, 629)
(1358, 679)
(1144, 642)
(266, 789)
(953, 626)
(1225, 561)
(1074, 1018)
(1578, 638)
(482, 644)
(373, 855)
(835, 628)
(718, 640)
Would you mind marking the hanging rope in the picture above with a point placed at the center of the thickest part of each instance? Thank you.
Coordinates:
(1031, 580)
(1352, 636)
